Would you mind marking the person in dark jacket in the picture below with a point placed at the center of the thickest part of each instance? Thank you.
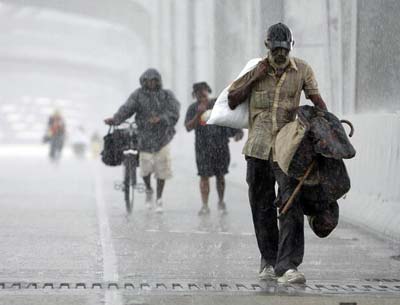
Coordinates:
(211, 145)
(156, 113)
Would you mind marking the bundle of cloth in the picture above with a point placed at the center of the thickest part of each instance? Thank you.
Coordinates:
(315, 138)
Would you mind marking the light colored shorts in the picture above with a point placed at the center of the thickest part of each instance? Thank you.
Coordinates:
(158, 163)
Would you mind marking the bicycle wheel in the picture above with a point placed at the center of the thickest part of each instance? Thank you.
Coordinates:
(128, 189)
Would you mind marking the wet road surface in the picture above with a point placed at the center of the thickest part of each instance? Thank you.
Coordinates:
(66, 238)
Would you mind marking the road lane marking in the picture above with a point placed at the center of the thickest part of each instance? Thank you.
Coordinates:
(153, 230)
(110, 270)
(225, 233)
(110, 263)
(247, 234)
(177, 231)
(200, 232)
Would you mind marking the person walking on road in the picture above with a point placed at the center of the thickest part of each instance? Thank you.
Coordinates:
(211, 146)
(273, 90)
(55, 135)
(156, 113)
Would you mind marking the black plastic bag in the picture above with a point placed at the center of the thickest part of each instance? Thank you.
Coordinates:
(114, 143)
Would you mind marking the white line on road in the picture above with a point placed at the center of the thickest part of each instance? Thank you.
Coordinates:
(177, 231)
(247, 234)
(110, 272)
(225, 233)
(110, 265)
(201, 232)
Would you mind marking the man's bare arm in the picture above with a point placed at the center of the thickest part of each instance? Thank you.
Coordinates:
(239, 94)
(318, 102)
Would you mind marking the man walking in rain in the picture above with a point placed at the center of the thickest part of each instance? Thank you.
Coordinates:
(156, 113)
(211, 145)
(273, 90)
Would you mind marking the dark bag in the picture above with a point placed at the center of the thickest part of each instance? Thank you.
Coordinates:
(114, 143)
(326, 142)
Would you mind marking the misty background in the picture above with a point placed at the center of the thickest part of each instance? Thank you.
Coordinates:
(85, 57)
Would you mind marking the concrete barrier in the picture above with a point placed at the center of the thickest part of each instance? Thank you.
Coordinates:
(374, 199)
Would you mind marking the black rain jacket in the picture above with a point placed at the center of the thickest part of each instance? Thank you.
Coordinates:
(144, 104)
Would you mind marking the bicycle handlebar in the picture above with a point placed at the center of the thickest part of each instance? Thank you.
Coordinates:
(129, 124)
(126, 123)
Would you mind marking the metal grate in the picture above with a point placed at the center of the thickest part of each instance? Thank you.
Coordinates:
(384, 280)
(263, 287)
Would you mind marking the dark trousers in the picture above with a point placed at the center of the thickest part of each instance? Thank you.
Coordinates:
(56, 146)
(282, 248)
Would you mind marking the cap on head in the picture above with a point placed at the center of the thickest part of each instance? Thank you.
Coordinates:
(279, 36)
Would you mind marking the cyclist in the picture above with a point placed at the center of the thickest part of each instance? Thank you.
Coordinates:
(156, 113)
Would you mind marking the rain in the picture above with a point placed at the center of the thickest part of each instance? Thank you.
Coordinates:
(154, 152)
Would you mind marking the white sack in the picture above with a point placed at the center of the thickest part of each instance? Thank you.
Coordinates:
(221, 113)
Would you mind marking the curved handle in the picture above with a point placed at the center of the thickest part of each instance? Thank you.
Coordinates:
(351, 127)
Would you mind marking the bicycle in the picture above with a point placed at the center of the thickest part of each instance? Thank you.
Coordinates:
(130, 162)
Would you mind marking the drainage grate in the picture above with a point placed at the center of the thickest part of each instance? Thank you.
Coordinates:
(133, 286)
(391, 286)
(384, 280)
